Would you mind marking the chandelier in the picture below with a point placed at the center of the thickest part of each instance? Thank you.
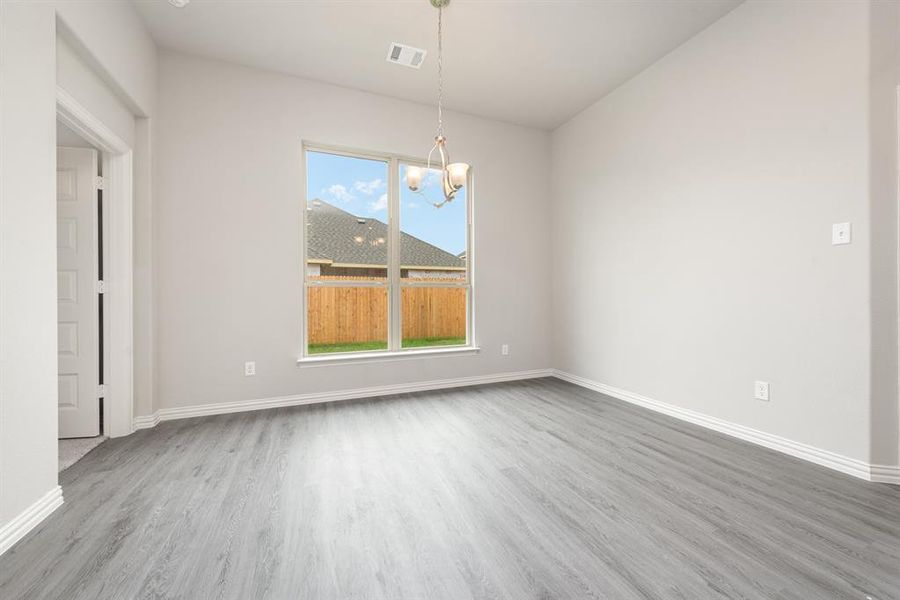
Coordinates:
(453, 175)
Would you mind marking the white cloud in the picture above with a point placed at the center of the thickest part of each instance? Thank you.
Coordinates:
(338, 192)
(378, 205)
(412, 205)
(368, 187)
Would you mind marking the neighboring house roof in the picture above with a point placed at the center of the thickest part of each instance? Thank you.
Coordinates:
(338, 237)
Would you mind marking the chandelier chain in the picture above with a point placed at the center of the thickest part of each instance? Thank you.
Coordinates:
(440, 62)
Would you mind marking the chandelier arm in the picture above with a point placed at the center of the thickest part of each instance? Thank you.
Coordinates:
(428, 199)
(442, 150)
(430, 153)
(445, 174)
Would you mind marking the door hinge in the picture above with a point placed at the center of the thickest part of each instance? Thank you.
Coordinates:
(101, 182)
(101, 391)
(101, 287)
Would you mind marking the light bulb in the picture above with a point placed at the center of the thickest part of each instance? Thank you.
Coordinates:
(413, 177)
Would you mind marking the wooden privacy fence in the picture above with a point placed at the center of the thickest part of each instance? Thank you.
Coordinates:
(433, 312)
(340, 315)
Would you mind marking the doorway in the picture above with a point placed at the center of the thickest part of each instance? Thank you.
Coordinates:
(79, 221)
(94, 280)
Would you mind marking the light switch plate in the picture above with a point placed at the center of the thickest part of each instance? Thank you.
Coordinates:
(761, 390)
(840, 233)
(249, 369)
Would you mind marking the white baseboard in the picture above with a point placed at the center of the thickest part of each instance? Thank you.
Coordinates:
(145, 422)
(30, 518)
(825, 458)
(221, 408)
(884, 474)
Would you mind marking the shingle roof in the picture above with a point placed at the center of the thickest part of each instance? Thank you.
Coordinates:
(340, 237)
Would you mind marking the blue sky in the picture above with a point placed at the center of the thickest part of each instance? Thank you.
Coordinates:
(359, 186)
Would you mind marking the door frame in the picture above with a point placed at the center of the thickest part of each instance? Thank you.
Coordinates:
(118, 209)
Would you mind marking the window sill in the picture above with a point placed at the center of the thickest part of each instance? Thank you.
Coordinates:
(367, 357)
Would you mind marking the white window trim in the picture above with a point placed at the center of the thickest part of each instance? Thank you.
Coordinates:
(394, 284)
(386, 355)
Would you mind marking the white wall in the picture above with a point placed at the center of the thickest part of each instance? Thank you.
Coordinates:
(144, 274)
(692, 226)
(111, 34)
(79, 80)
(28, 417)
(883, 106)
(108, 38)
(228, 238)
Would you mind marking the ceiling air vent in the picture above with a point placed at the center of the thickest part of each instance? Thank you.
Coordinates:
(405, 55)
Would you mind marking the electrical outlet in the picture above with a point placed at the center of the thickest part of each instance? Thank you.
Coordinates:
(249, 369)
(761, 390)
(504, 349)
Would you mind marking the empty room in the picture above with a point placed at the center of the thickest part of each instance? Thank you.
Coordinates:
(449, 299)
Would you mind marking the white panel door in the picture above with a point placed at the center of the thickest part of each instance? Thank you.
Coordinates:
(78, 315)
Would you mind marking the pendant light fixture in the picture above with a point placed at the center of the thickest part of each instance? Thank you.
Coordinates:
(453, 175)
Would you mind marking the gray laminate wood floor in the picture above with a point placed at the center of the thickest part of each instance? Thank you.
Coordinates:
(523, 490)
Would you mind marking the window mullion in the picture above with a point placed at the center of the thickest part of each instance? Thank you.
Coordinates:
(394, 325)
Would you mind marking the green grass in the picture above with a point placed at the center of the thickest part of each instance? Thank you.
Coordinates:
(355, 347)
(373, 346)
(424, 342)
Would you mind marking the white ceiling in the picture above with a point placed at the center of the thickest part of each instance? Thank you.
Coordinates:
(533, 62)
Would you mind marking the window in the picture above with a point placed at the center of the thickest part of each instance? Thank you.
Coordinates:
(384, 269)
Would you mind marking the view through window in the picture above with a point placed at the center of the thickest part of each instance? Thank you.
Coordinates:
(385, 269)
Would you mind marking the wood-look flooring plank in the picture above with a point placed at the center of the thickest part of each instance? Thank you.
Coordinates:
(523, 490)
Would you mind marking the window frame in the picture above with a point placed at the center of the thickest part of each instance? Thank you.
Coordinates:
(394, 284)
